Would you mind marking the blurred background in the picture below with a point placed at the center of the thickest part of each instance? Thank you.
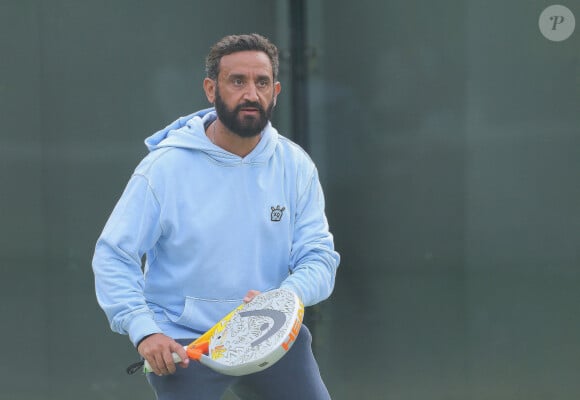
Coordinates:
(447, 136)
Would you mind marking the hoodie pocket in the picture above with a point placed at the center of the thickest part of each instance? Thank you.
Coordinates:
(202, 314)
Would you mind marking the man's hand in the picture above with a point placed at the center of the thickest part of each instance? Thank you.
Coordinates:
(250, 295)
(157, 349)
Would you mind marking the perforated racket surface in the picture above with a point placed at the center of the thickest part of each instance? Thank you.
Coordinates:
(251, 338)
(257, 335)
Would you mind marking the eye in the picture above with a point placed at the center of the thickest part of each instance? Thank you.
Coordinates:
(238, 82)
(263, 83)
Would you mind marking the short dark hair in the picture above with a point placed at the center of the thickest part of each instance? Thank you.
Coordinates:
(235, 43)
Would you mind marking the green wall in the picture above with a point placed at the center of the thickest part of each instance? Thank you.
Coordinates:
(447, 137)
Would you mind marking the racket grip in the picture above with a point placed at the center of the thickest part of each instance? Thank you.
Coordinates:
(147, 366)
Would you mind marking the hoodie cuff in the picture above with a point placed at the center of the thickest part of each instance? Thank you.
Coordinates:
(140, 327)
(292, 288)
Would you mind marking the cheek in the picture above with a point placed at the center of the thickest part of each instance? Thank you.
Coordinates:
(267, 99)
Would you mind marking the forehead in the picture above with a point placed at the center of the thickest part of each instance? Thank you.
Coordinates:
(246, 63)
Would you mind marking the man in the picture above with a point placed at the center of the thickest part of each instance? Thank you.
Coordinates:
(222, 208)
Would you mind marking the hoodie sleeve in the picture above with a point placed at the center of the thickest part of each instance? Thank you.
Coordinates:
(313, 259)
(131, 230)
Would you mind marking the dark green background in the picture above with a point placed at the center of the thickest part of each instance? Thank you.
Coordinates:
(447, 136)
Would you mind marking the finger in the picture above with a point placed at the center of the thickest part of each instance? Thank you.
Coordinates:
(158, 364)
(180, 351)
(155, 366)
(152, 364)
(167, 363)
(250, 295)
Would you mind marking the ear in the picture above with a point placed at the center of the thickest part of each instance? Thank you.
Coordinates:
(209, 86)
(277, 89)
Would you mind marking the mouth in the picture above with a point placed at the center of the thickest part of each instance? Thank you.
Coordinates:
(249, 110)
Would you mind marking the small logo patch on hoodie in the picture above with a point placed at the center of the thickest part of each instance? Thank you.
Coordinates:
(277, 213)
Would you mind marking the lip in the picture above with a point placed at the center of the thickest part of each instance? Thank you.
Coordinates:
(249, 111)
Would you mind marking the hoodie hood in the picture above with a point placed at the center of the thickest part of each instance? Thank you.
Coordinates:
(189, 132)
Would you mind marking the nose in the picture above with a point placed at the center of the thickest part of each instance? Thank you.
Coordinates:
(251, 93)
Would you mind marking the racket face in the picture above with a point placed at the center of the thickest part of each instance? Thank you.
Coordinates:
(258, 334)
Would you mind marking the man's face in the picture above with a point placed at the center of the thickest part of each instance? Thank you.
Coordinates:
(245, 94)
(241, 120)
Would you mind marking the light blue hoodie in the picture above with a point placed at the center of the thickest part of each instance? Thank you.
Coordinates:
(212, 225)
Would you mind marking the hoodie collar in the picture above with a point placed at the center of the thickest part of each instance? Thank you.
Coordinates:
(189, 132)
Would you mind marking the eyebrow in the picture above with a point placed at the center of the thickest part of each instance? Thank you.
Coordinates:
(243, 76)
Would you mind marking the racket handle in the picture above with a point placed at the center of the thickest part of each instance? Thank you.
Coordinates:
(194, 351)
(147, 366)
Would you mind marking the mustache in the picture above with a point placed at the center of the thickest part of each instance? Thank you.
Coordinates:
(250, 104)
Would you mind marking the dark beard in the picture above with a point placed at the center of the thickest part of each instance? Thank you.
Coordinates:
(244, 127)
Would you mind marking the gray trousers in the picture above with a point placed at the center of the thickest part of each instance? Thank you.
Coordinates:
(294, 377)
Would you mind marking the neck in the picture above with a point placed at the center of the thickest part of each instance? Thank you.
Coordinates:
(230, 141)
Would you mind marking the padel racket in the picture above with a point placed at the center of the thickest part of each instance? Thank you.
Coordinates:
(249, 339)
